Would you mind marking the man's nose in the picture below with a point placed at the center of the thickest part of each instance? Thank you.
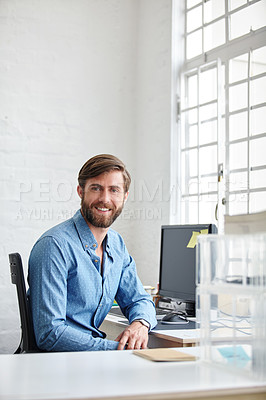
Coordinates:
(104, 196)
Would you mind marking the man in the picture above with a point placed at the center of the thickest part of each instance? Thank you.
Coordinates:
(78, 268)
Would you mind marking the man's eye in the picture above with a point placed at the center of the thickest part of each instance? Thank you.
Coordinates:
(95, 189)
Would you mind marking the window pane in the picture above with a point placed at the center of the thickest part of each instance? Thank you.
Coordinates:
(189, 133)
(214, 35)
(183, 169)
(189, 210)
(193, 210)
(207, 160)
(193, 186)
(258, 61)
(258, 91)
(258, 121)
(213, 9)
(257, 152)
(194, 44)
(238, 181)
(238, 68)
(207, 112)
(194, 19)
(236, 3)
(191, 3)
(190, 163)
(183, 218)
(238, 126)
(252, 17)
(189, 136)
(208, 85)
(258, 179)
(193, 162)
(193, 136)
(208, 184)
(238, 204)
(257, 202)
(238, 155)
(192, 116)
(238, 97)
(192, 83)
(207, 206)
(208, 132)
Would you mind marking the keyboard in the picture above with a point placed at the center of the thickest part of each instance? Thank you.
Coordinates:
(118, 312)
(160, 311)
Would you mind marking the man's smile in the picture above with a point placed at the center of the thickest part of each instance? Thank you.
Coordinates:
(103, 209)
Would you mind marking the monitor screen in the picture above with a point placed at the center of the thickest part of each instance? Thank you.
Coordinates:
(178, 260)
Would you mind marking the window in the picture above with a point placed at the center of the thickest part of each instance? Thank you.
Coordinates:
(222, 136)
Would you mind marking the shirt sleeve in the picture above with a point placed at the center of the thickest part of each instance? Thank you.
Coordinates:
(48, 273)
(131, 296)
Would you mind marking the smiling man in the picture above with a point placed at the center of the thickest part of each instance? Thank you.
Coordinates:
(79, 267)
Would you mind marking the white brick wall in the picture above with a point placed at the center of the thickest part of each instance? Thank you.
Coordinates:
(79, 78)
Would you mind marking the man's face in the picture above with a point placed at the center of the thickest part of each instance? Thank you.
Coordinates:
(103, 198)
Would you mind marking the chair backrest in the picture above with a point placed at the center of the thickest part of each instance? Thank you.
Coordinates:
(27, 343)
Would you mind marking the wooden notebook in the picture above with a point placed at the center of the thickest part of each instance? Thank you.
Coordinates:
(164, 355)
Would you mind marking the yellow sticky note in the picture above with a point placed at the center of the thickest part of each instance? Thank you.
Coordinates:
(204, 232)
(193, 240)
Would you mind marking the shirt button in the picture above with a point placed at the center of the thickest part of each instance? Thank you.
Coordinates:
(86, 245)
(94, 245)
(96, 260)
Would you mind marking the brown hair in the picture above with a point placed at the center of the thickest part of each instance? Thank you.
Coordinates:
(103, 163)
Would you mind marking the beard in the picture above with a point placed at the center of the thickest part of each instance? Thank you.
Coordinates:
(99, 221)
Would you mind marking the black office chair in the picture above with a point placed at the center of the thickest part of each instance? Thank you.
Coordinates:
(27, 342)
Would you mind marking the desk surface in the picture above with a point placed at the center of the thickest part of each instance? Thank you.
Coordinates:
(170, 337)
(117, 375)
(114, 324)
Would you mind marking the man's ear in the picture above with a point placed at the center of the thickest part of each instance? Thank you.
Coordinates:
(80, 191)
(126, 196)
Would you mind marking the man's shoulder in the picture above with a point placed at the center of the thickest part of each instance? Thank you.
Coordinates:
(114, 238)
(61, 230)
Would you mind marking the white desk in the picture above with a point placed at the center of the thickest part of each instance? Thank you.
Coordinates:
(117, 375)
(113, 325)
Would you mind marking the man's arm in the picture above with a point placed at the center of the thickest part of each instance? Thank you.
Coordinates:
(48, 274)
(136, 304)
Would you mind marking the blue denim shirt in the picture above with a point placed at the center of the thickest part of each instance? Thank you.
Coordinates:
(68, 295)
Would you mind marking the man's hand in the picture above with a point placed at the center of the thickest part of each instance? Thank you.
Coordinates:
(135, 336)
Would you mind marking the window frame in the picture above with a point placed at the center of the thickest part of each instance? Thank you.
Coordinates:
(222, 54)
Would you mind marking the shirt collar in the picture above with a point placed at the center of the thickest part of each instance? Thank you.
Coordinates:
(86, 236)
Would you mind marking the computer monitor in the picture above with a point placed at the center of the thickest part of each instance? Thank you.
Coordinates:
(178, 263)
